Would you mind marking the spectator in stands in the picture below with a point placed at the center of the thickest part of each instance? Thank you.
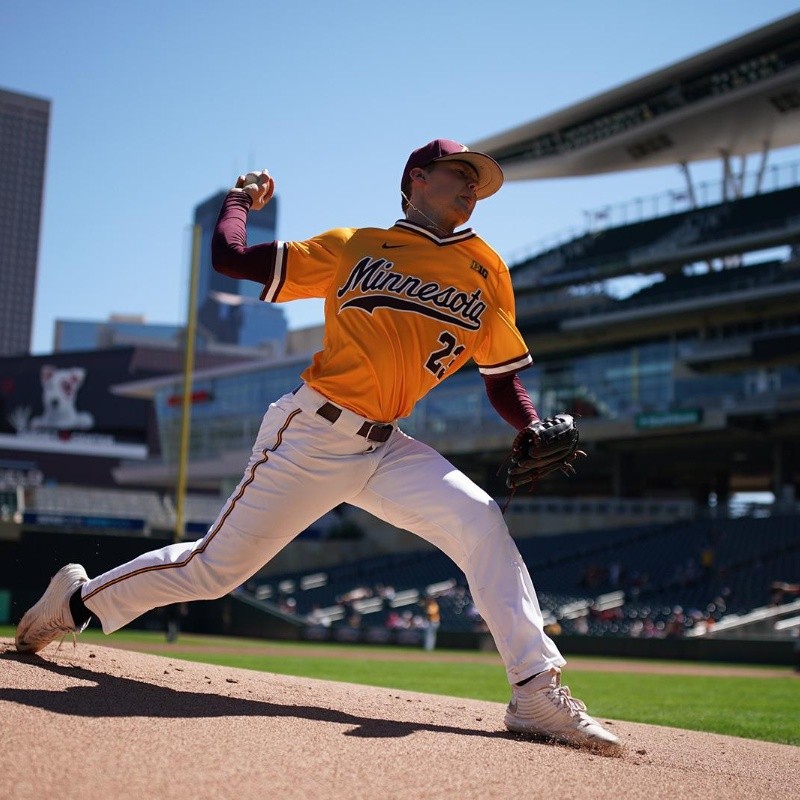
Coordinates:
(782, 592)
(432, 622)
(386, 593)
(676, 624)
(649, 629)
(316, 617)
(707, 556)
(288, 605)
(409, 621)
(354, 620)
(173, 615)
(393, 621)
(644, 628)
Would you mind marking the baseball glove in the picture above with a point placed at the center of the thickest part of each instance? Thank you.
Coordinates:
(545, 446)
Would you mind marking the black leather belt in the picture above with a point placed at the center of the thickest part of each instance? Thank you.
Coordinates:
(374, 431)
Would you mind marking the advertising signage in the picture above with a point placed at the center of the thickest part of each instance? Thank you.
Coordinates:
(60, 420)
(669, 419)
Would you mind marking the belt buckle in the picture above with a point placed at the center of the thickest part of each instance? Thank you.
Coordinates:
(378, 432)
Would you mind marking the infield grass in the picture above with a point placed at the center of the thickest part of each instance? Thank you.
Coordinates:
(750, 706)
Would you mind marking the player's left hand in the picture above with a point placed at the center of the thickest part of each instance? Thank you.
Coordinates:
(259, 185)
(544, 446)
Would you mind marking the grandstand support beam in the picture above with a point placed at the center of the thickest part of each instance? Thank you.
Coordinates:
(738, 180)
(732, 184)
(689, 183)
(777, 467)
(784, 470)
(762, 167)
(726, 174)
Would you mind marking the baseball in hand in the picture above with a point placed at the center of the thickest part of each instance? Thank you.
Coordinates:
(252, 177)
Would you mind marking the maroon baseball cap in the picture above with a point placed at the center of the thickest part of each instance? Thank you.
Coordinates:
(490, 175)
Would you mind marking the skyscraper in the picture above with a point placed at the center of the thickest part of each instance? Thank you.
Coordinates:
(24, 122)
(229, 311)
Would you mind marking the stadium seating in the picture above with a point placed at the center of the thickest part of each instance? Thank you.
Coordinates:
(110, 503)
(157, 512)
(635, 581)
(676, 288)
(638, 580)
(645, 246)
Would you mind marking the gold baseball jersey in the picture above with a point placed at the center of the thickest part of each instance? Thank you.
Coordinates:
(403, 310)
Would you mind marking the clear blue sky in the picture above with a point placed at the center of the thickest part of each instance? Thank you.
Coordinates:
(157, 104)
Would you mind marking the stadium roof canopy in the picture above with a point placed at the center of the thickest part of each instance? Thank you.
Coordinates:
(738, 98)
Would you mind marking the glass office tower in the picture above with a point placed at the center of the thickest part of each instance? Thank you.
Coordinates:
(24, 122)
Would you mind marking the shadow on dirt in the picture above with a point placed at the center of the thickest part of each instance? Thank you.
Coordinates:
(111, 696)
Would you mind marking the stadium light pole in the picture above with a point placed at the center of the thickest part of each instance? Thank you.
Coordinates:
(188, 372)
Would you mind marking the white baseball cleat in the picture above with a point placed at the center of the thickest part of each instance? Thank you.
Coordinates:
(51, 617)
(544, 707)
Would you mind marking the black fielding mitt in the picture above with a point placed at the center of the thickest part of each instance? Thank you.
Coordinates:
(545, 446)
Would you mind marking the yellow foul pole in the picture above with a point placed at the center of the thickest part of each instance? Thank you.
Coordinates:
(188, 371)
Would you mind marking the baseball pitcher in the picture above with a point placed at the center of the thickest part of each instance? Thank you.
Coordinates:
(405, 307)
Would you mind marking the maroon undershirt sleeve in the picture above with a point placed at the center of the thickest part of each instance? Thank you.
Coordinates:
(230, 254)
(509, 398)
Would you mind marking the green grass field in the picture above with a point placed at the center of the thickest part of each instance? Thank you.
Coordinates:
(764, 705)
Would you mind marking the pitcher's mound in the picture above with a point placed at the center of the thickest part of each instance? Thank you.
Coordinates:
(94, 721)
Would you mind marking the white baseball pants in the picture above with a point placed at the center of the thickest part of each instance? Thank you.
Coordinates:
(301, 467)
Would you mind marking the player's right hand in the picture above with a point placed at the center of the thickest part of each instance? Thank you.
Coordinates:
(259, 185)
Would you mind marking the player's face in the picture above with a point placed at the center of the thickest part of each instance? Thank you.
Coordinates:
(451, 191)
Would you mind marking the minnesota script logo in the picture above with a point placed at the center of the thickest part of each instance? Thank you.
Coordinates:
(382, 288)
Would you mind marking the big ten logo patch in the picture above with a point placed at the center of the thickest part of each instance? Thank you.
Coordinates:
(480, 269)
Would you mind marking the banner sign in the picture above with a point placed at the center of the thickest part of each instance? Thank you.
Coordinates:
(669, 419)
(79, 521)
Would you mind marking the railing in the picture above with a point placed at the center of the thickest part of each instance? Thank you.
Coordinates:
(604, 507)
(709, 289)
(661, 204)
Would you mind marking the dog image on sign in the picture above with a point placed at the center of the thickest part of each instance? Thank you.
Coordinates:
(59, 399)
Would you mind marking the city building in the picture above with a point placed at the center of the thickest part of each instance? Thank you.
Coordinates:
(118, 330)
(230, 316)
(24, 122)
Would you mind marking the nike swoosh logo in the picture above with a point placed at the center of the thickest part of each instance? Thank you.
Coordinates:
(387, 246)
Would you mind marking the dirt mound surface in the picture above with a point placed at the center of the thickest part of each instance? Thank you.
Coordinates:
(95, 721)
